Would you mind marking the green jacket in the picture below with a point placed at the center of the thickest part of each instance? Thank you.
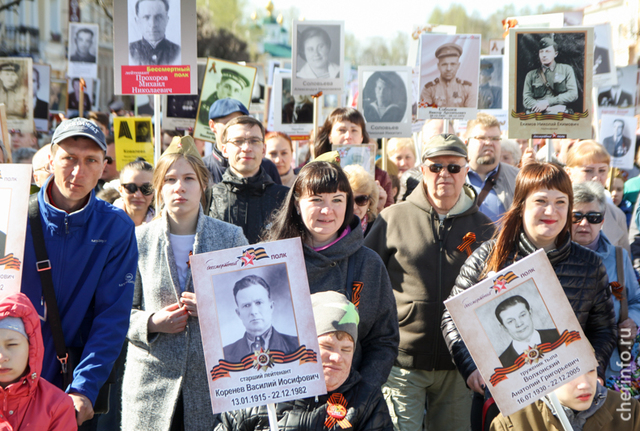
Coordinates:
(560, 77)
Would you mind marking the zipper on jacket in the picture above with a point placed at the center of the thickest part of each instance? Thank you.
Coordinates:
(66, 224)
(440, 259)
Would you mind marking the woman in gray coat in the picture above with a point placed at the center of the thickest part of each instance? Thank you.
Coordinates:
(165, 379)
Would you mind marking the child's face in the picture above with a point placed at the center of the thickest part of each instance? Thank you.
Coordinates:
(617, 191)
(578, 394)
(14, 356)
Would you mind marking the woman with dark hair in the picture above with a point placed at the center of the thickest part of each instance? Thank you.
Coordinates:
(319, 210)
(540, 217)
(346, 126)
(314, 47)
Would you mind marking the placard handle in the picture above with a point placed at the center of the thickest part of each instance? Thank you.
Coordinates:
(560, 412)
(273, 419)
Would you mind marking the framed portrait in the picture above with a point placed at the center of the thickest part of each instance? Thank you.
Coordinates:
(15, 181)
(449, 66)
(492, 89)
(292, 114)
(363, 155)
(274, 63)
(384, 98)
(58, 95)
(222, 79)
(155, 47)
(16, 92)
(604, 70)
(41, 83)
(83, 50)
(522, 333)
(271, 275)
(620, 98)
(179, 112)
(73, 96)
(317, 57)
(618, 136)
(550, 73)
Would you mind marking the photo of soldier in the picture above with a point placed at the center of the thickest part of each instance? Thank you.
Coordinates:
(74, 96)
(143, 131)
(490, 96)
(13, 90)
(149, 23)
(85, 45)
(232, 85)
(448, 90)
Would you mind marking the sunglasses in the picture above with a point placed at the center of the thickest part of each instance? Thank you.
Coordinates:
(451, 167)
(362, 200)
(146, 189)
(109, 160)
(592, 217)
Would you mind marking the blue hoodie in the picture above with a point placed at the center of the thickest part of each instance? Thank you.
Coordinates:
(94, 256)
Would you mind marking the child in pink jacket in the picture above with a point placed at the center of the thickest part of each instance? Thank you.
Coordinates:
(28, 402)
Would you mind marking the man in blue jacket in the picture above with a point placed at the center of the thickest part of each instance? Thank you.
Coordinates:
(93, 255)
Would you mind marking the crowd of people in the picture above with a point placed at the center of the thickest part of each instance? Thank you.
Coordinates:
(106, 270)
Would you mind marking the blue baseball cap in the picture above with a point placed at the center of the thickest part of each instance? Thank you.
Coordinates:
(223, 107)
(79, 127)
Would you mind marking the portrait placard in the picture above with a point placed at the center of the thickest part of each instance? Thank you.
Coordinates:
(317, 57)
(73, 96)
(58, 96)
(179, 112)
(41, 88)
(154, 47)
(618, 136)
(384, 98)
(5, 139)
(132, 139)
(242, 371)
(83, 50)
(292, 113)
(621, 98)
(449, 66)
(522, 333)
(222, 79)
(550, 73)
(604, 70)
(494, 82)
(15, 181)
(16, 92)
(363, 155)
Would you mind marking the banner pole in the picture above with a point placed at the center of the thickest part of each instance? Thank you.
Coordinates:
(157, 135)
(384, 154)
(81, 101)
(316, 108)
(560, 412)
(273, 419)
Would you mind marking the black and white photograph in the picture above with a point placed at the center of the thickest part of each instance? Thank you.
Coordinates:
(623, 94)
(256, 321)
(255, 305)
(154, 32)
(449, 69)
(83, 50)
(550, 70)
(517, 321)
(492, 82)
(16, 92)
(618, 135)
(41, 80)
(604, 70)
(318, 56)
(384, 95)
(73, 98)
(58, 96)
(293, 113)
(143, 130)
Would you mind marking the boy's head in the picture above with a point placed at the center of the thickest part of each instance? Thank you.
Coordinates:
(578, 394)
(14, 350)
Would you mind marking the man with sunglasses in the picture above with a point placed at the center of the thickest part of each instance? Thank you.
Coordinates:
(246, 196)
(494, 181)
(424, 241)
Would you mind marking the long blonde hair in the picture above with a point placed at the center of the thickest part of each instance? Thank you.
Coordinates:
(165, 163)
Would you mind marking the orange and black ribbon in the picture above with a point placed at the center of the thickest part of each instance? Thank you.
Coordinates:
(10, 262)
(355, 295)
(567, 338)
(223, 368)
(189, 260)
(467, 240)
(336, 412)
(539, 116)
(507, 24)
(616, 289)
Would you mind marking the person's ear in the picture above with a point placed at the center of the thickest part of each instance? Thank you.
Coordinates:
(568, 170)
(237, 312)
(212, 124)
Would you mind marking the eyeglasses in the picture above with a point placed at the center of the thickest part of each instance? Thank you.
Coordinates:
(592, 217)
(362, 200)
(254, 142)
(451, 167)
(109, 160)
(146, 189)
(492, 139)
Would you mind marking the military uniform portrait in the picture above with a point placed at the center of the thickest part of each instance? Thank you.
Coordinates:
(154, 32)
(83, 50)
(143, 130)
(58, 94)
(449, 69)
(232, 85)
(73, 98)
(550, 73)
(16, 92)
(491, 81)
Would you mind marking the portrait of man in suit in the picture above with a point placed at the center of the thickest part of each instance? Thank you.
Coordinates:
(254, 307)
(616, 96)
(40, 107)
(600, 57)
(514, 315)
(617, 145)
(297, 111)
(152, 18)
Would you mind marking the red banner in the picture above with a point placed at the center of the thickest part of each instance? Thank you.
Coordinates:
(156, 80)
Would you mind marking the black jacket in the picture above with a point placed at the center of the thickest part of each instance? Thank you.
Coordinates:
(366, 411)
(217, 164)
(246, 202)
(584, 280)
